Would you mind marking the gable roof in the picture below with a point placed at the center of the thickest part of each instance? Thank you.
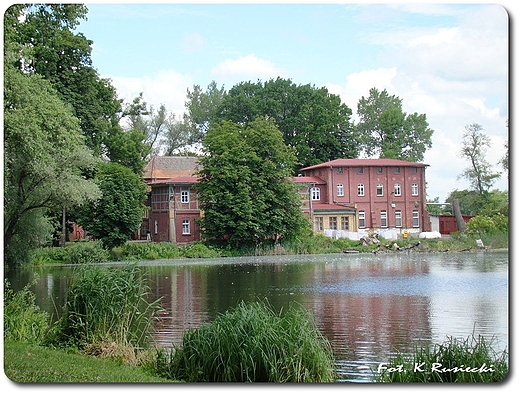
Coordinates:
(366, 163)
(164, 167)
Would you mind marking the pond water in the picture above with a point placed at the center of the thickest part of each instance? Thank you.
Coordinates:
(368, 306)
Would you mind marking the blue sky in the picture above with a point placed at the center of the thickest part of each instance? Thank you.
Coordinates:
(448, 61)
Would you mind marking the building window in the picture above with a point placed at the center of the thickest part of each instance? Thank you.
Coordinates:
(360, 190)
(398, 219)
(379, 170)
(318, 223)
(415, 218)
(315, 193)
(340, 190)
(344, 223)
(397, 170)
(384, 221)
(415, 189)
(379, 189)
(397, 189)
(185, 196)
(340, 170)
(333, 223)
(360, 170)
(361, 219)
(186, 226)
(414, 170)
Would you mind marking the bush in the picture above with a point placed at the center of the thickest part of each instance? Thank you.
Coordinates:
(150, 251)
(106, 305)
(199, 250)
(48, 255)
(470, 360)
(252, 343)
(24, 321)
(86, 252)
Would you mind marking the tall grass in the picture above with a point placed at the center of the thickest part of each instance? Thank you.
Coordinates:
(106, 305)
(252, 343)
(24, 321)
(470, 360)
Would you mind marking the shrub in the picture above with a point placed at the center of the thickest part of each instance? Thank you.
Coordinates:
(24, 321)
(470, 360)
(479, 225)
(87, 252)
(106, 305)
(48, 255)
(252, 343)
(150, 251)
(199, 250)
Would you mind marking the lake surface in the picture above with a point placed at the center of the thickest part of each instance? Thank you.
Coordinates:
(368, 306)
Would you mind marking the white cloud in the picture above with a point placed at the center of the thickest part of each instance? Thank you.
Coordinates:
(246, 67)
(166, 87)
(193, 42)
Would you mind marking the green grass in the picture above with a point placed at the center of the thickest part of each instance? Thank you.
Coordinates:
(29, 363)
(252, 343)
(470, 360)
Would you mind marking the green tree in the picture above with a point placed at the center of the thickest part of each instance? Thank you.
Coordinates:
(313, 122)
(244, 187)
(118, 213)
(45, 43)
(45, 159)
(479, 173)
(388, 132)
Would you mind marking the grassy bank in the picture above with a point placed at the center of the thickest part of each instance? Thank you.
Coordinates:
(29, 363)
(92, 252)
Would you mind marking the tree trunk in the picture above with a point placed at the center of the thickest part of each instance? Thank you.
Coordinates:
(63, 227)
(461, 224)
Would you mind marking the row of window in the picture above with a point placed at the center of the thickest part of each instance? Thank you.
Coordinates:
(384, 219)
(360, 170)
(333, 223)
(340, 190)
(186, 227)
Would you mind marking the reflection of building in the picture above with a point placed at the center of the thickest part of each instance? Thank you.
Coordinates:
(343, 197)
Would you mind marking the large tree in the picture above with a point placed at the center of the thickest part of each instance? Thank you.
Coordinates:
(479, 173)
(45, 160)
(244, 188)
(312, 121)
(118, 213)
(388, 132)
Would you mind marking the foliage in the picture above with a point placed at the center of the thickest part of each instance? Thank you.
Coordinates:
(88, 252)
(44, 161)
(252, 343)
(106, 305)
(199, 250)
(387, 131)
(24, 321)
(149, 251)
(481, 225)
(48, 255)
(449, 362)
(117, 214)
(244, 187)
(479, 173)
(312, 121)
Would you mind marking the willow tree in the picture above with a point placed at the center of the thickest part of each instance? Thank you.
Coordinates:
(244, 187)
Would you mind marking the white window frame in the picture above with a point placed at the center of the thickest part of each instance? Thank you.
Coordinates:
(398, 219)
(185, 196)
(333, 222)
(380, 190)
(397, 189)
(186, 227)
(415, 218)
(384, 219)
(345, 223)
(318, 223)
(415, 189)
(340, 190)
(361, 219)
(361, 190)
(315, 193)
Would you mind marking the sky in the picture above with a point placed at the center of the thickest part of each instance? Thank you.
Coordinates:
(449, 61)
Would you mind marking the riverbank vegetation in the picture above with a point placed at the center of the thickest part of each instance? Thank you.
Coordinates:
(469, 360)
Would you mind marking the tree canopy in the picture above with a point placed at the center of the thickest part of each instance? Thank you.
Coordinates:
(244, 187)
(388, 132)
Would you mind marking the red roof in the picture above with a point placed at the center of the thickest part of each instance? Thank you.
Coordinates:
(189, 180)
(366, 163)
(308, 179)
(332, 207)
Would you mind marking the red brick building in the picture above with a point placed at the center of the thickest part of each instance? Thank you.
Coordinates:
(343, 197)
(367, 194)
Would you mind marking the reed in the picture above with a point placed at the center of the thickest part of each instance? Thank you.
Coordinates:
(252, 343)
(106, 305)
(470, 360)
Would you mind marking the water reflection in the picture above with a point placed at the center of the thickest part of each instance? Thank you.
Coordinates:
(369, 307)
